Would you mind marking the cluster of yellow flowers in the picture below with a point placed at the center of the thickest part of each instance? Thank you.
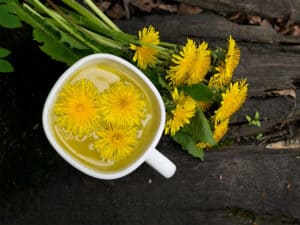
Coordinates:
(82, 111)
(192, 65)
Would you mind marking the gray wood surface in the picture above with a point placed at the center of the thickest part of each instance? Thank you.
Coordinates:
(272, 9)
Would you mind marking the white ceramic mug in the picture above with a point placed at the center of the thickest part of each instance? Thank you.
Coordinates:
(150, 155)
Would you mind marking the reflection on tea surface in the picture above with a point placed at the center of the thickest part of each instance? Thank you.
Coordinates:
(105, 116)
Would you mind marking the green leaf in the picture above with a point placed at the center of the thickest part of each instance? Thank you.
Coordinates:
(256, 117)
(7, 17)
(199, 129)
(258, 123)
(49, 37)
(56, 49)
(5, 66)
(199, 92)
(4, 52)
(187, 143)
(248, 118)
(65, 37)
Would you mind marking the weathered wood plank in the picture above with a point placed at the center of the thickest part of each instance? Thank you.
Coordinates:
(287, 9)
(246, 177)
(207, 26)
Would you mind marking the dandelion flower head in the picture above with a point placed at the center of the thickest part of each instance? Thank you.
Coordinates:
(77, 108)
(123, 104)
(201, 65)
(225, 69)
(232, 57)
(116, 142)
(185, 109)
(232, 100)
(146, 55)
(178, 73)
(220, 130)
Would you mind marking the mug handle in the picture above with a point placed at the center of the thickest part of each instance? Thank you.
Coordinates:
(161, 163)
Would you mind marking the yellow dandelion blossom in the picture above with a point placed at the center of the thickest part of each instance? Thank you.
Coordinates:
(233, 99)
(77, 108)
(201, 64)
(123, 104)
(116, 142)
(182, 114)
(145, 55)
(232, 58)
(218, 79)
(225, 69)
(178, 74)
(220, 129)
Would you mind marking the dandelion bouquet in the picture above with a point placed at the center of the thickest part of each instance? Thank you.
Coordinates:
(194, 81)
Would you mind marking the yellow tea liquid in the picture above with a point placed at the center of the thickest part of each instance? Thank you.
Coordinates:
(103, 75)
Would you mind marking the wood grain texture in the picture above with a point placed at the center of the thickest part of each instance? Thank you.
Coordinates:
(288, 9)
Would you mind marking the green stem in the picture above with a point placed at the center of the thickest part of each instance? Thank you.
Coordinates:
(102, 15)
(85, 13)
(61, 21)
(101, 39)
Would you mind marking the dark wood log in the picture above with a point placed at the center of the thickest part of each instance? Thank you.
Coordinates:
(241, 183)
(270, 9)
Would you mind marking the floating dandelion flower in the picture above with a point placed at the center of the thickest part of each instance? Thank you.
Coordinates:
(146, 55)
(182, 114)
(123, 104)
(233, 99)
(77, 108)
(178, 74)
(116, 142)
(201, 64)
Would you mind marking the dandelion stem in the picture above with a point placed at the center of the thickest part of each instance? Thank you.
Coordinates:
(101, 15)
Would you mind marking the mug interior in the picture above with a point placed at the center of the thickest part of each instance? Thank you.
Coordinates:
(136, 76)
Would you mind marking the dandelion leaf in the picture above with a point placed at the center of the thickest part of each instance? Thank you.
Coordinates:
(8, 19)
(4, 52)
(187, 143)
(199, 129)
(199, 92)
(5, 66)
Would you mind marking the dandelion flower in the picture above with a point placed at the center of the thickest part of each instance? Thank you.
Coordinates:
(123, 104)
(225, 69)
(232, 58)
(201, 64)
(233, 99)
(218, 79)
(116, 142)
(77, 108)
(146, 55)
(182, 114)
(220, 130)
(178, 74)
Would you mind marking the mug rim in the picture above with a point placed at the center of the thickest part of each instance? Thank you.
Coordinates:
(71, 160)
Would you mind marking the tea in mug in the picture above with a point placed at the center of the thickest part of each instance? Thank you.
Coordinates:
(105, 116)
